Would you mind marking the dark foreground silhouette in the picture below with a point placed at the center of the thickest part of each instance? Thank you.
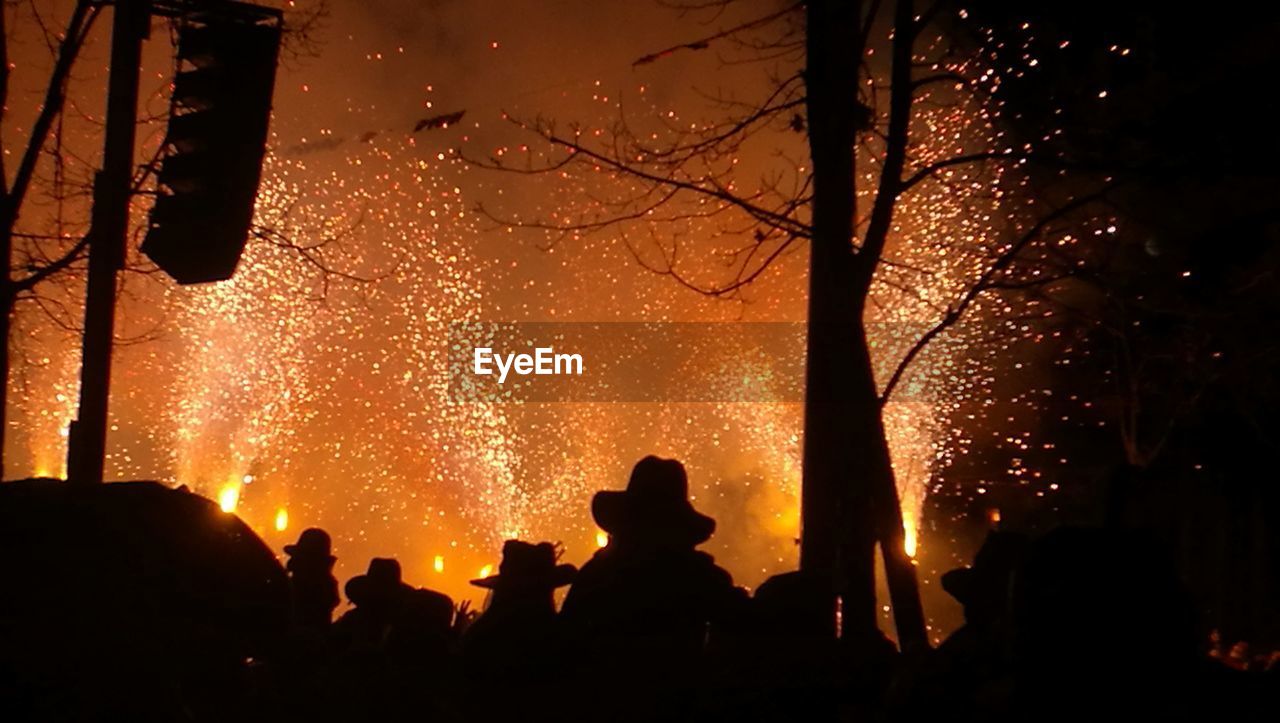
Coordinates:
(135, 602)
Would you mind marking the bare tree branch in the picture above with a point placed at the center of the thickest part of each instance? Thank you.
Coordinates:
(984, 282)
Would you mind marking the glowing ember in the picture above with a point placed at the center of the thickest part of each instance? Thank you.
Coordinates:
(229, 497)
(910, 539)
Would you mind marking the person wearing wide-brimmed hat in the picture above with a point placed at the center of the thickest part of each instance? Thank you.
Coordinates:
(983, 588)
(377, 596)
(390, 614)
(967, 675)
(527, 573)
(649, 589)
(654, 510)
(314, 588)
(516, 637)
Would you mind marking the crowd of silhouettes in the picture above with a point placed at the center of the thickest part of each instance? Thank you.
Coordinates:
(651, 629)
(1080, 623)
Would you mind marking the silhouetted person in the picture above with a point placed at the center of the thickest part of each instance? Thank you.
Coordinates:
(519, 626)
(314, 588)
(395, 641)
(377, 596)
(644, 604)
(984, 587)
(649, 588)
(785, 663)
(968, 676)
(1102, 623)
(390, 614)
(422, 628)
(515, 643)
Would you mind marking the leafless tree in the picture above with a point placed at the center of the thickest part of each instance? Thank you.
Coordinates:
(46, 251)
(41, 261)
(852, 81)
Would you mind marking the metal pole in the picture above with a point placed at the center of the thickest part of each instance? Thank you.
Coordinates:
(108, 232)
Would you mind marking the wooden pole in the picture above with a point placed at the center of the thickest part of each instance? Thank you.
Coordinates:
(108, 233)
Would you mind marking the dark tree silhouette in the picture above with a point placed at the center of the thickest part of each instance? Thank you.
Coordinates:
(49, 248)
(43, 257)
(855, 111)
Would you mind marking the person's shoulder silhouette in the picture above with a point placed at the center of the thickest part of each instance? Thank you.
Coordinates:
(650, 579)
(517, 631)
(314, 588)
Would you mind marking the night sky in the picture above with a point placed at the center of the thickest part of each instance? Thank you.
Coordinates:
(310, 390)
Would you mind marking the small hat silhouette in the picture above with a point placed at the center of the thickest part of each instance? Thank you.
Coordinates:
(380, 584)
(312, 544)
(527, 566)
(995, 561)
(655, 505)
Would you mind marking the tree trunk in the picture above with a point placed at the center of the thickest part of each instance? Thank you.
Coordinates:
(900, 572)
(849, 501)
(837, 539)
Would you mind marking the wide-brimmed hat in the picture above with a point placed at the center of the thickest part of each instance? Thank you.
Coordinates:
(312, 544)
(655, 505)
(994, 563)
(528, 567)
(381, 583)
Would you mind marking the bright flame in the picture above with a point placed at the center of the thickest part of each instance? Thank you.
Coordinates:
(229, 497)
(602, 538)
(993, 516)
(282, 519)
(56, 469)
(439, 563)
(486, 571)
(911, 430)
(909, 538)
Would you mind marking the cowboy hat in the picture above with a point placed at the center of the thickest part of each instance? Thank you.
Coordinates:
(654, 505)
(526, 565)
(381, 583)
(313, 543)
(994, 562)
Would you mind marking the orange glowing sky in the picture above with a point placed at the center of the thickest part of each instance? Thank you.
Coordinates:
(300, 403)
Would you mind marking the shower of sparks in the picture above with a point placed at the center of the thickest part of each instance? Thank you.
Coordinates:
(297, 395)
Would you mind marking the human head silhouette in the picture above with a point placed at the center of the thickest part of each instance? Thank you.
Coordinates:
(313, 549)
(527, 567)
(654, 508)
(380, 587)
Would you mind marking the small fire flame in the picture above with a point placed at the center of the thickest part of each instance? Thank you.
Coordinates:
(602, 538)
(486, 571)
(229, 497)
(282, 519)
(910, 536)
(438, 565)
